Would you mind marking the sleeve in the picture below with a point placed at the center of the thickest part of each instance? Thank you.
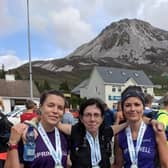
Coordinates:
(74, 130)
(109, 132)
(77, 132)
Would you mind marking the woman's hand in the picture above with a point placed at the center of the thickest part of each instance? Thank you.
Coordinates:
(25, 132)
(16, 133)
(157, 126)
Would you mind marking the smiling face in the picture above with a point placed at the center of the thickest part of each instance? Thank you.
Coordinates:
(92, 119)
(52, 110)
(133, 109)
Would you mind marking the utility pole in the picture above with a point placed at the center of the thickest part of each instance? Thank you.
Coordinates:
(29, 51)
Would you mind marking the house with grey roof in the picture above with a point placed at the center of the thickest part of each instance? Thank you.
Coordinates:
(81, 88)
(15, 92)
(107, 83)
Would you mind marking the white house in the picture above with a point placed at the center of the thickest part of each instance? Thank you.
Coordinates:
(107, 83)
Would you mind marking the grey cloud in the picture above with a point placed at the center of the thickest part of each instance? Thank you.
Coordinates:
(157, 14)
(6, 21)
(153, 11)
(70, 30)
(69, 23)
(122, 8)
(62, 21)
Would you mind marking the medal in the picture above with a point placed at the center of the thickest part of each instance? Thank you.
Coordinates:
(95, 149)
(56, 154)
(95, 167)
(59, 166)
(134, 150)
(134, 166)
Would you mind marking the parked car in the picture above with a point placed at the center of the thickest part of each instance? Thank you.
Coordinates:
(155, 106)
(75, 114)
(14, 116)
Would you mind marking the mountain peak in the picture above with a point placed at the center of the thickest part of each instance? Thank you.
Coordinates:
(129, 39)
(128, 43)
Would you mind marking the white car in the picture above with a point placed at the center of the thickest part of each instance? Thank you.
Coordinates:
(14, 116)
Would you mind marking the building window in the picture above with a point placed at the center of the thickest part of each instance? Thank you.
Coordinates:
(123, 73)
(110, 97)
(113, 89)
(119, 89)
(145, 91)
(136, 74)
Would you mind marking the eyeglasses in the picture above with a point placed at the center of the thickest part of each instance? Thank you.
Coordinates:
(89, 115)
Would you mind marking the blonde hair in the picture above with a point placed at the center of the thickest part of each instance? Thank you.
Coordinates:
(2, 104)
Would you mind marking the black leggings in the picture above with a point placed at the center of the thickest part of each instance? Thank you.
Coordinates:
(2, 162)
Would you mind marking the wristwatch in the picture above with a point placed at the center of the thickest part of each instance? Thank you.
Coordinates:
(12, 146)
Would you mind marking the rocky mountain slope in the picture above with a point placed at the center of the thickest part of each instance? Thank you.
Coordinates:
(127, 43)
(129, 40)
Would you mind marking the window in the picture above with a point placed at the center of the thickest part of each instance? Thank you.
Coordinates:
(119, 89)
(123, 73)
(145, 91)
(136, 74)
(110, 97)
(113, 89)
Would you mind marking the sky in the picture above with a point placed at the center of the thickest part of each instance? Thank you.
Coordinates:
(58, 27)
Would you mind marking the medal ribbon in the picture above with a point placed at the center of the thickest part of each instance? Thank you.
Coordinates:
(56, 154)
(133, 151)
(95, 148)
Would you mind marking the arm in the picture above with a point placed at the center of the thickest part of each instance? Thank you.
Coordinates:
(65, 128)
(13, 157)
(69, 163)
(34, 122)
(117, 120)
(162, 147)
(157, 126)
(119, 161)
(118, 128)
(13, 160)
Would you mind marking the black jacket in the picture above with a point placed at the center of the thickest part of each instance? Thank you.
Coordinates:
(5, 126)
(80, 150)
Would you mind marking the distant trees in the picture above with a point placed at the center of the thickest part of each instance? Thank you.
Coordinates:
(74, 100)
(162, 81)
(43, 85)
(64, 86)
(2, 72)
(18, 75)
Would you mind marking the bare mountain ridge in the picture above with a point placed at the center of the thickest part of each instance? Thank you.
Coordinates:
(128, 44)
(133, 39)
